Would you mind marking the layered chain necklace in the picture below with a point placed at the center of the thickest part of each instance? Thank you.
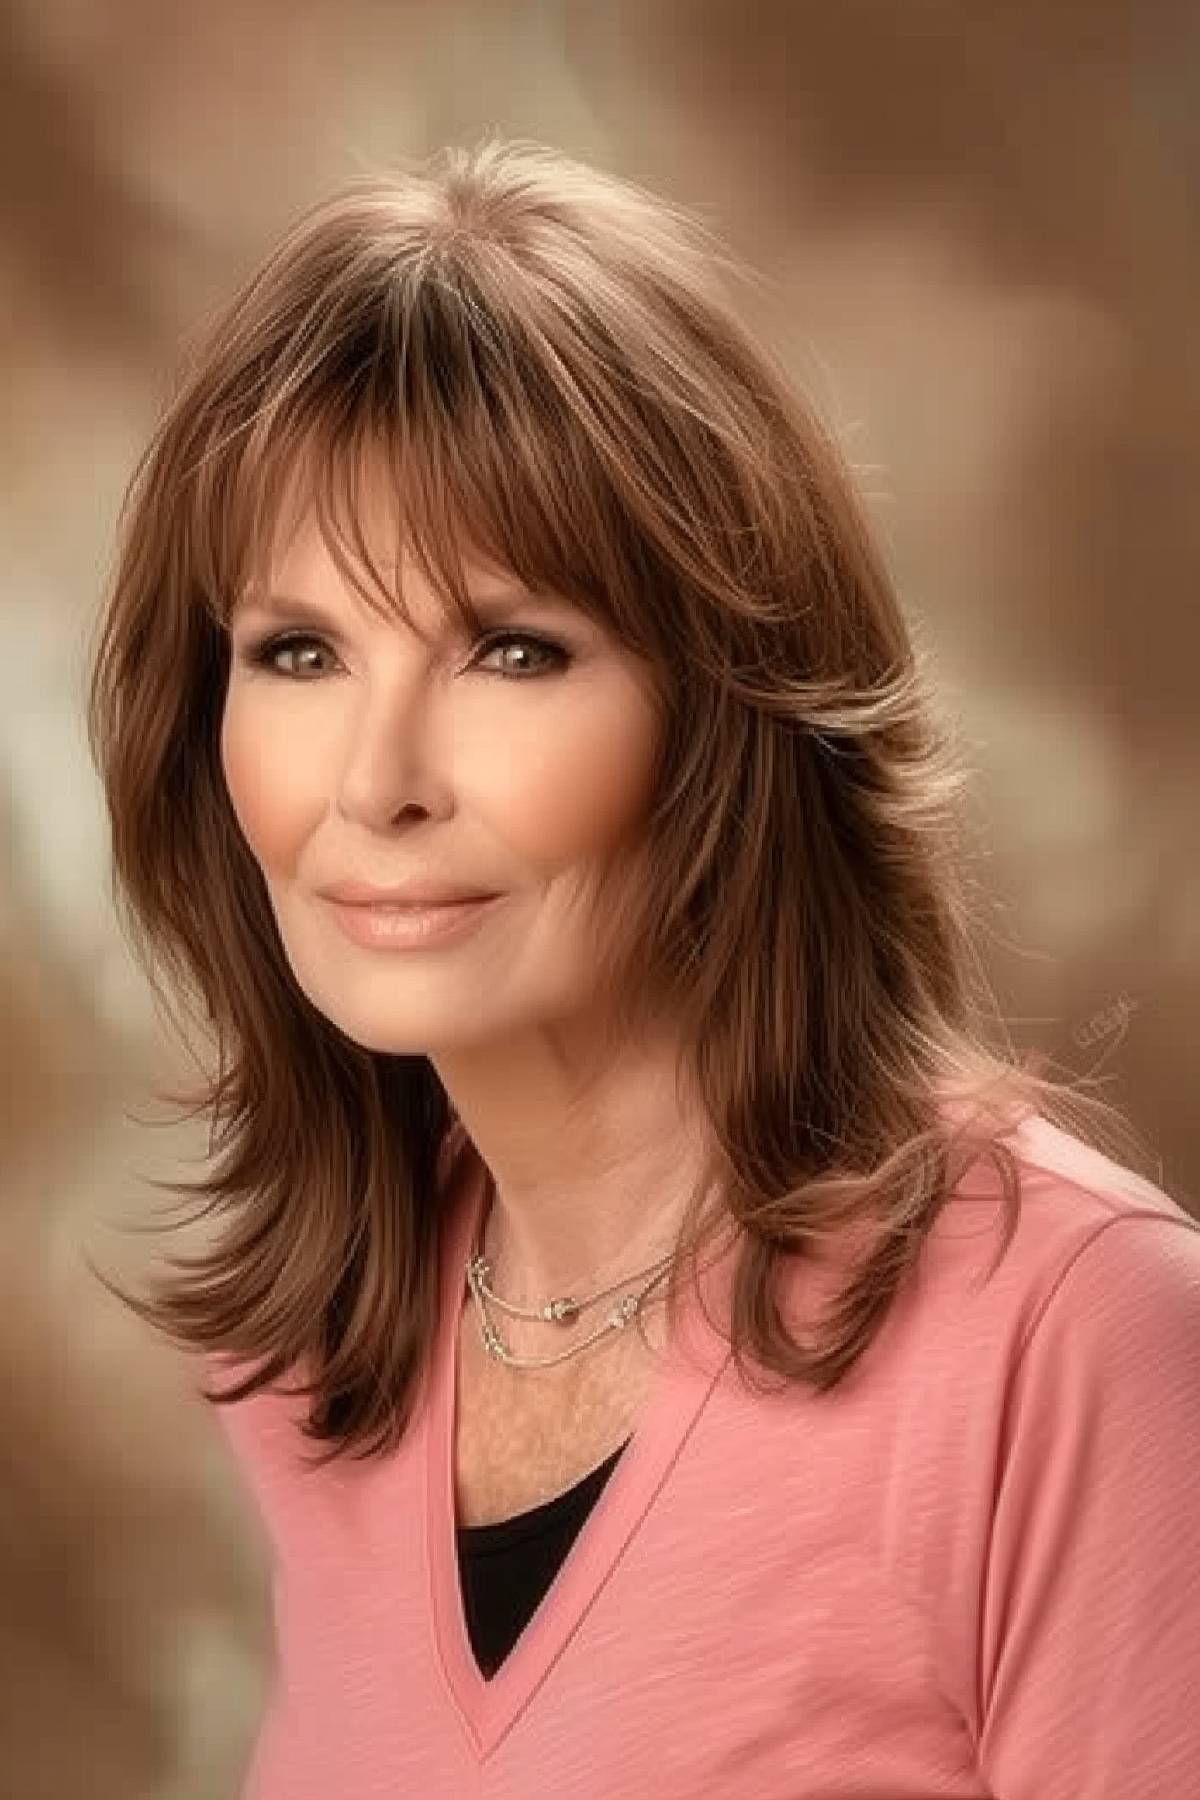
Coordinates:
(564, 1310)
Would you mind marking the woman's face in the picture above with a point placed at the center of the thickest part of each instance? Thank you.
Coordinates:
(366, 752)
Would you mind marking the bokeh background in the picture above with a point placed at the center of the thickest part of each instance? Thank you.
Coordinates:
(978, 229)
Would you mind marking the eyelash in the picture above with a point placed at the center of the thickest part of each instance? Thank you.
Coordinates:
(262, 655)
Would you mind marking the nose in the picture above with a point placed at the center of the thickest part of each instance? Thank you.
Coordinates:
(394, 755)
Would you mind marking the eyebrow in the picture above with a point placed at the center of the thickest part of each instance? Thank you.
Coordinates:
(294, 606)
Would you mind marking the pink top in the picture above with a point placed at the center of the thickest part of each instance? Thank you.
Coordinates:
(972, 1569)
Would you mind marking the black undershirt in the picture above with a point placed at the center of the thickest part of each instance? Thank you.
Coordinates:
(506, 1568)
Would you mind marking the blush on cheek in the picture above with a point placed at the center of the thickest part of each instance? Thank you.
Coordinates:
(266, 792)
(583, 803)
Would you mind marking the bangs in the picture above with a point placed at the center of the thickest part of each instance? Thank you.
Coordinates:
(447, 412)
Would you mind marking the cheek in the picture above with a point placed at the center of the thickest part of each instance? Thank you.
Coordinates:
(265, 775)
(577, 788)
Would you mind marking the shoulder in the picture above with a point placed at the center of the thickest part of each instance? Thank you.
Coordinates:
(1039, 1411)
(1081, 1218)
(1114, 1277)
(263, 1424)
(1071, 1365)
(1089, 1460)
(974, 1295)
(1101, 1266)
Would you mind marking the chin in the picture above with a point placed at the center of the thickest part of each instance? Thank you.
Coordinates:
(413, 1031)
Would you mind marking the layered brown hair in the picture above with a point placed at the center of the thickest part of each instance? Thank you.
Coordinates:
(556, 366)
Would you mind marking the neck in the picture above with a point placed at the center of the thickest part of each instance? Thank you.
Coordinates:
(594, 1155)
(636, 1261)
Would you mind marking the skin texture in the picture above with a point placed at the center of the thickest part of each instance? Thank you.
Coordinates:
(377, 752)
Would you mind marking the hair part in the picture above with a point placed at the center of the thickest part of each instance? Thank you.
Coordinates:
(549, 365)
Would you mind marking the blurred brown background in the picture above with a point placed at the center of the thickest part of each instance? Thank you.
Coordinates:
(981, 242)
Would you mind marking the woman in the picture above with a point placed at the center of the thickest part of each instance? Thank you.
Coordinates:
(734, 1374)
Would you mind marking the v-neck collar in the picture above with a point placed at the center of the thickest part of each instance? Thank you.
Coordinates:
(692, 1361)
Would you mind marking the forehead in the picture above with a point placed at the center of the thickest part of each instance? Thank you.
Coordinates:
(319, 518)
(307, 560)
(308, 584)
(323, 503)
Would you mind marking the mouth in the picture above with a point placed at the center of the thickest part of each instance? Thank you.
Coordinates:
(405, 899)
(415, 906)
(390, 925)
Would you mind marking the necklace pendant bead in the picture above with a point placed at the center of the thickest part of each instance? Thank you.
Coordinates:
(564, 1311)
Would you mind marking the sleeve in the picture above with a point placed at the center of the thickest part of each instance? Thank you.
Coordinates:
(1089, 1664)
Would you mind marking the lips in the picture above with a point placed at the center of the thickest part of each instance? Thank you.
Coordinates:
(411, 928)
(403, 897)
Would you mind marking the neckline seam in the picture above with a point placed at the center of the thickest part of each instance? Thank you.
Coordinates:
(489, 1709)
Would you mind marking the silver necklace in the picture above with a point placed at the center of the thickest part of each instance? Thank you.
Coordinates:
(561, 1311)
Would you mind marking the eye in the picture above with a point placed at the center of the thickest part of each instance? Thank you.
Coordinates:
(498, 640)
(265, 654)
(262, 655)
